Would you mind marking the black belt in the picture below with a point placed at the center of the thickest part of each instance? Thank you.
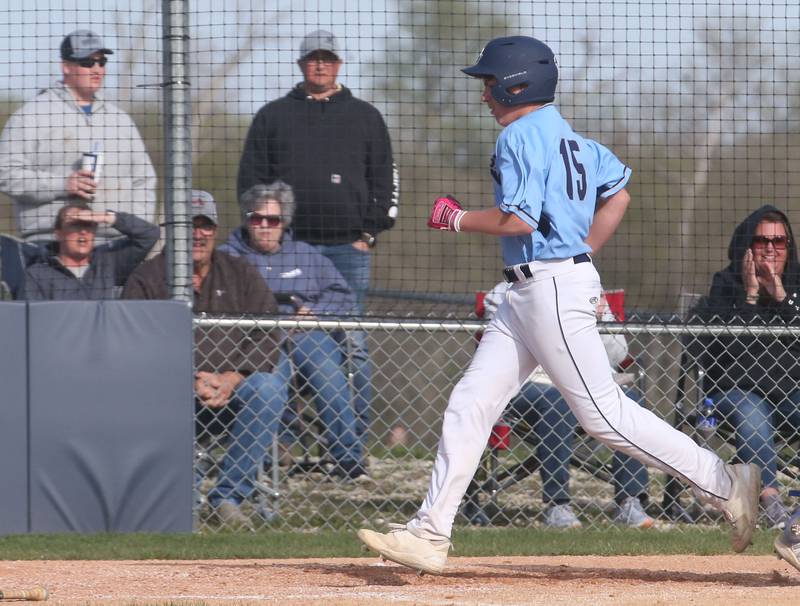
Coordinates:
(525, 268)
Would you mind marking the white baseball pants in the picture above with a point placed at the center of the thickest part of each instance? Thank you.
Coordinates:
(549, 319)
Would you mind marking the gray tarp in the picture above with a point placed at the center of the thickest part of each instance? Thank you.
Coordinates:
(110, 404)
(13, 419)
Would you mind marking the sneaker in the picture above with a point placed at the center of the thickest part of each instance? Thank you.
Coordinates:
(265, 513)
(631, 513)
(399, 545)
(561, 516)
(741, 508)
(775, 511)
(787, 543)
(349, 470)
(787, 551)
(231, 516)
(475, 514)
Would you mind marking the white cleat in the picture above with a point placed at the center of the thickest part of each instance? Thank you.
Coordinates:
(741, 508)
(402, 547)
(785, 551)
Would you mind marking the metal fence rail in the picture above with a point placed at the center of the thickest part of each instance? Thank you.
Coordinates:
(416, 364)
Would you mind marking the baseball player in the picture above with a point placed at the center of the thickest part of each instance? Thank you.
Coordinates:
(558, 198)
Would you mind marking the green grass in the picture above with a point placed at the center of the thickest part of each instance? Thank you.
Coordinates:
(483, 542)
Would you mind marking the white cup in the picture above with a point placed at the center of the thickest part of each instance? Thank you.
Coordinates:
(92, 161)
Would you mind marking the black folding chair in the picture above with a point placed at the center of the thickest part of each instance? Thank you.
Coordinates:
(15, 256)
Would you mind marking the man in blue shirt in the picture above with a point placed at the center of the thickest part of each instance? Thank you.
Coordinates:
(558, 197)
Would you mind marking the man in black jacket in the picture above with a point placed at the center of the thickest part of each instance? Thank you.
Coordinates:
(335, 152)
(755, 380)
(75, 270)
(332, 148)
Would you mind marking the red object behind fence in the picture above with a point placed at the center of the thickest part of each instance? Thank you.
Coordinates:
(480, 309)
(499, 439)
(616, 302)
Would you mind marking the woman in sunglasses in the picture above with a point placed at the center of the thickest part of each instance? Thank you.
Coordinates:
(306, 284)
(755, 380)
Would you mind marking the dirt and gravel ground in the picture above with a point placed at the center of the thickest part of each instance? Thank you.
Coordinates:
(686, 580)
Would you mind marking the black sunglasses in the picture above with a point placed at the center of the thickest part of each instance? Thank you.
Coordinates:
(256, 220)
(778, 242)
(90, 62)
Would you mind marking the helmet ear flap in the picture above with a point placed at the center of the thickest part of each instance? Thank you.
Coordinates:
(507, 94)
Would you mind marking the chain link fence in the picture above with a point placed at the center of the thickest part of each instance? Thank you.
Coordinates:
(416, 365)
(699, 100)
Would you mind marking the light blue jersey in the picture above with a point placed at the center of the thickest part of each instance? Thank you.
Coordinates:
(550, 177)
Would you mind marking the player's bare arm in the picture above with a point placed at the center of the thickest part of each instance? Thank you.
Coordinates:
(607, 217)
(495, 222)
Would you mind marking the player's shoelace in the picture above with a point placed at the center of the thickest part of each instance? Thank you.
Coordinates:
(395, 527)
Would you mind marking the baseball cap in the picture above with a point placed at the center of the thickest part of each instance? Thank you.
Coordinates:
(319, 40)
(203, 205)
(82, 43)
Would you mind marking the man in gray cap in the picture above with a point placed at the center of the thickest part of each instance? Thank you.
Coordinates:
(241, 378)
(335, 152)
(69, 145)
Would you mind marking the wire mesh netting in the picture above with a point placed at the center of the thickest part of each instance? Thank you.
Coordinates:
(158, 131)
(537, 457)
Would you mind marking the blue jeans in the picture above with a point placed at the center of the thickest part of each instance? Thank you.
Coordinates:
(755, 420)
(553, 424)
(320, 362)
(355, 267)
(255, 407)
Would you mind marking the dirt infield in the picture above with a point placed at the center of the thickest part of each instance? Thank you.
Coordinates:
(727, 580)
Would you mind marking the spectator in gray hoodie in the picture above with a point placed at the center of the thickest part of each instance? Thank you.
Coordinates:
(43, 143)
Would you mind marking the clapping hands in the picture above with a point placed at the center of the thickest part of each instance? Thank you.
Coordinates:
(761, 276)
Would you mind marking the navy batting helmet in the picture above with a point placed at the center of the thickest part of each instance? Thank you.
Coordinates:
(518, 61)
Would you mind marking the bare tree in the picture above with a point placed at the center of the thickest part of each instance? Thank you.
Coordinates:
(687, 118)
(140, 64)
(419, 76)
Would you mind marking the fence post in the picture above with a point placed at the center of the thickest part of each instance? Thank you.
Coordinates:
(177, 149)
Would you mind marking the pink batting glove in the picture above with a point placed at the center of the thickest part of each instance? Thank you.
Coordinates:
(446, 214)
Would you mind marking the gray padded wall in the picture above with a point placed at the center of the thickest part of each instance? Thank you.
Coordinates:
(111, 416)
(13, 420)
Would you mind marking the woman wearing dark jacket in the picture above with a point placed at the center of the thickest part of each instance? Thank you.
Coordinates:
(755, 379)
